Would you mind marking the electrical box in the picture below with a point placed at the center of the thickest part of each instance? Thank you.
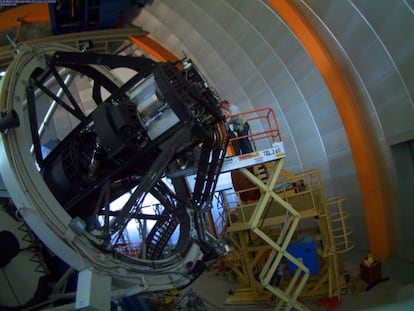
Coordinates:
(93, 292)
(370, 273)
(304, 250)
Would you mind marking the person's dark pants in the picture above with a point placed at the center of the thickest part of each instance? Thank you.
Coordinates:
(244, 143)
(235, 143)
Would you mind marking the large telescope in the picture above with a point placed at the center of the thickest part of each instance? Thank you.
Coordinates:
(96, 164)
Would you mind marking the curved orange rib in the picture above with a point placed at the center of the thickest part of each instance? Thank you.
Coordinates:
(364, 156)
(29, 13)
(153, 48)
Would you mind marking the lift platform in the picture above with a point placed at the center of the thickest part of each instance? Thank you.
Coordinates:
(251, 223)
(266, 141)
(262, 218)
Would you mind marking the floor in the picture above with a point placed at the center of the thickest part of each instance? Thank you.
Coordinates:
(211, 290)
(18, 285)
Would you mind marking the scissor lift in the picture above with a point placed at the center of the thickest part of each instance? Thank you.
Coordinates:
(251, 222)
(265, 220)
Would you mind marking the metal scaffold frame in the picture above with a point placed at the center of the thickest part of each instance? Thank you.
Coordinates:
(278, 253)
(262, 228)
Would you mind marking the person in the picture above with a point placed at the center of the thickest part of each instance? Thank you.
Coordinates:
(240, 126)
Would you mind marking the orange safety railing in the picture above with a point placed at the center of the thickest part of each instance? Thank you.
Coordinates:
(260, 118)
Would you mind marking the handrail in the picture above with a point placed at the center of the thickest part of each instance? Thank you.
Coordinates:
(270, 124)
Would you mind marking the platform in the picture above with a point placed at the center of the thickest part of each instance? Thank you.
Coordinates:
(277, 151)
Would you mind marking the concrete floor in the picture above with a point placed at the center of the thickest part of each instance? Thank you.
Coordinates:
(397, 293)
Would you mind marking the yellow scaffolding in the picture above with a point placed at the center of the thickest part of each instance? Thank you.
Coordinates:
(256, 222)
(261, 230)
(273, 208)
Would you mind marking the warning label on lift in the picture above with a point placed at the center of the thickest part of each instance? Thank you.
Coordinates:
(277, 151)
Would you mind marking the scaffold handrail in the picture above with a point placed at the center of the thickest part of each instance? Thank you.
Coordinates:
(271, 125)
(272, 149)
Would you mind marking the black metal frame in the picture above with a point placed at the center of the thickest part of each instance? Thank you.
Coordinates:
(140, 165)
